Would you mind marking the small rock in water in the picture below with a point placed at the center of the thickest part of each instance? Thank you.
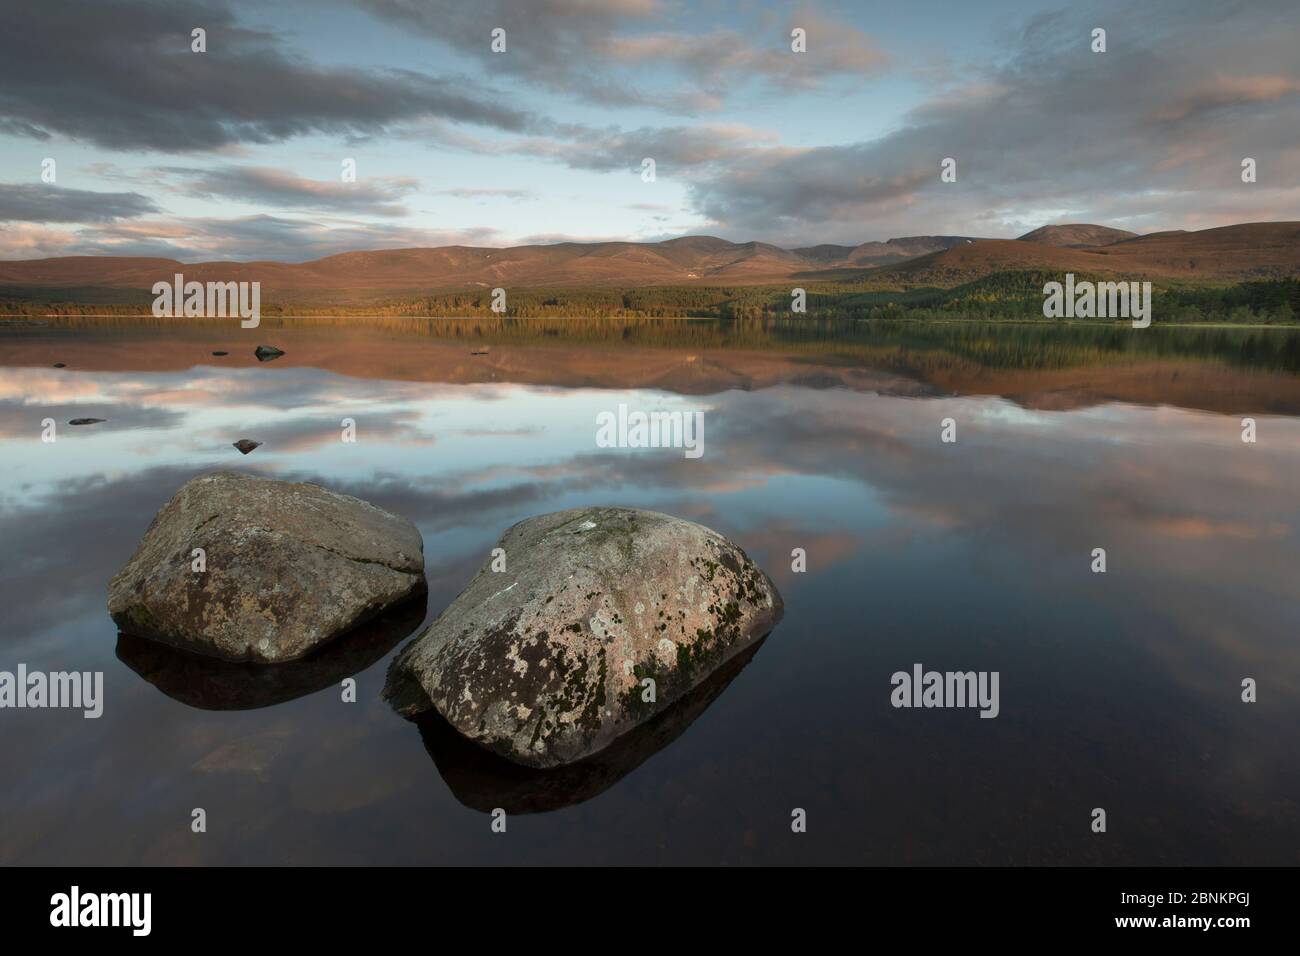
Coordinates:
(220, 353)
(286, 567)
(60, 365)
(605, 617)
(87, 421)
(266, 353)
(246, 445)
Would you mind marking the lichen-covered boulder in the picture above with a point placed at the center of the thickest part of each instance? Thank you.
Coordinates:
(280, 569)
(602, 618)
(484, 781)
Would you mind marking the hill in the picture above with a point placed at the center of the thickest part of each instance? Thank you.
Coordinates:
(1077, 235)
(1250, 251)
(1258, 250)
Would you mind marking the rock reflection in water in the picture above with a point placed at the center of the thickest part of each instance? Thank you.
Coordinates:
(211, 684)
(481, 780)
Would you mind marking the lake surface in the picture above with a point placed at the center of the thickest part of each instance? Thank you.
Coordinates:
(1119, 690)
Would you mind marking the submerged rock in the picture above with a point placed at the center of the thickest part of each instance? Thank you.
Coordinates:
(220, 353)
(211, 684)
(87, 421)
(605, 617)
(60, 365)
(483, 781)
(245, 445)
(284, 568)
(265, 353)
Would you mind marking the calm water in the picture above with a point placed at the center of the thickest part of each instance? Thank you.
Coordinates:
(1118, 690)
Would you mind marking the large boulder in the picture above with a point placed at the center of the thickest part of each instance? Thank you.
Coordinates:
(211, 684)
(551, 660)
(484, 781)
(286, 568)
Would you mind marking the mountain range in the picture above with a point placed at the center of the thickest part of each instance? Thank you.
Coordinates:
(1247, 251)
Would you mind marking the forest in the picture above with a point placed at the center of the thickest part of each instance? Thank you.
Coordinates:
(1000, 296)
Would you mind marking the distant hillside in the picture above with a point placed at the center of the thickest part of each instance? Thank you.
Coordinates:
(1077, 235)
(872, 254)
(691, 260)
(1249, 251)
(1258, 250)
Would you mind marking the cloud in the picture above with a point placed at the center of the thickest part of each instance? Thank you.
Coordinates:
(1225, 90)
(676, 150)
(1147, 136)
(712, 60)
(26, 241)
(617, 52)
(122, 75)
(552, 238)
(199, 239)
(1162, 120)
(32, 202)
(790, 189)
(268, 186)
(480, 192)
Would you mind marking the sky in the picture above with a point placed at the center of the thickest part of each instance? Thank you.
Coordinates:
(118, 138)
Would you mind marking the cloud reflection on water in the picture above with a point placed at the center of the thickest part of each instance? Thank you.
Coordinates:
(979, 549)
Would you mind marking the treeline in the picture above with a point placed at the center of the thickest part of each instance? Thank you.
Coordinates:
(1271, 302)
(650, 302)
(903, 343)
(1015, 295)
(1019, 296)
(73, 300)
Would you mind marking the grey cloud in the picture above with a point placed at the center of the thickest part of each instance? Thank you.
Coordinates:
(791, 189)
(258, 237)
(672, 148)
(377, 196)
(552, 42)
(15, 127)
(37, 202)
(676, 150)
(121, 74)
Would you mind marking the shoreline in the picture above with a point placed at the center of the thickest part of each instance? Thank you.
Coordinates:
(1121, 323)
